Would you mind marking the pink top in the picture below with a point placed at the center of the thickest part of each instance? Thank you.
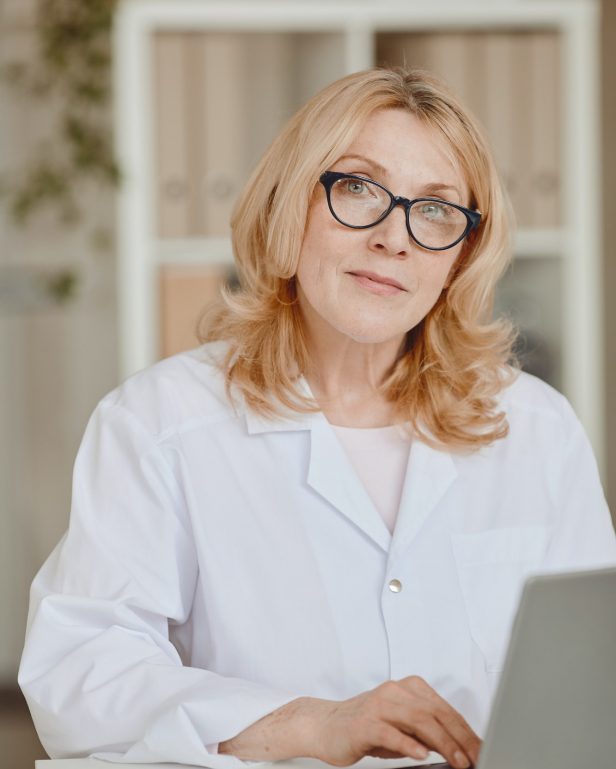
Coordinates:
(379, 456)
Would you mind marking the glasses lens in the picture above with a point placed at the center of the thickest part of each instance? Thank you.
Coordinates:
(435, 224)
(358, 202)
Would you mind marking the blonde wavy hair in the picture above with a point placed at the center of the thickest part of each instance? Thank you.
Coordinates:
(446, 380)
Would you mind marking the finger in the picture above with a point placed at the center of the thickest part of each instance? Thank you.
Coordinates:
(413, 705)
(461, 732)
(414, 716)
(448, 716)
(456, 725)
(392, 741)
(430, 732)
(382, 753)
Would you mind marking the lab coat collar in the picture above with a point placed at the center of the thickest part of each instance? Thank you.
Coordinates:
(291, 421)
(332, 475)
(430, 473)
(330, 472)
(256, 423)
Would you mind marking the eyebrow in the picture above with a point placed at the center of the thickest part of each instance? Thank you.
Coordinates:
(377, 166)
(430, 189)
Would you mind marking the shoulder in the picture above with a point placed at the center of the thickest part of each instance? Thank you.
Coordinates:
(175, 393)
(529, 393)
(535, 407)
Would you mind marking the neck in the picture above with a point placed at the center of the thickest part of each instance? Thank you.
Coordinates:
(346, 377)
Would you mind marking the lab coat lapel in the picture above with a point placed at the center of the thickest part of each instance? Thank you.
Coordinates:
(334, 478)
(429, 475)
(330, 472)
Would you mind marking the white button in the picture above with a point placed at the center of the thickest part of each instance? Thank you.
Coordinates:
(395, 585)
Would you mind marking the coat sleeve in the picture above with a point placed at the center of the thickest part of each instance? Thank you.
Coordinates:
(98, 670)
(583, 536)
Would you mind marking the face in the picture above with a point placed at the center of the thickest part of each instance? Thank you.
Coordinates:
(374, 285)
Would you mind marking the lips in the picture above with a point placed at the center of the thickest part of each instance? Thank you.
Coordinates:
(378, 279)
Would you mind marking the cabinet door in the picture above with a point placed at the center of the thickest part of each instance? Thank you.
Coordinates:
(220, 99)
(511, 81)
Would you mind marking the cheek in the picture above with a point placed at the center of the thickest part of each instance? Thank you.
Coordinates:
(318, 259)
(431, 282)
(437, 275)
(446, 268)
(310, 267)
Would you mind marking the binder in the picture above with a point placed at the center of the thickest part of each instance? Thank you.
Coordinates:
(172, 147)
(511, 81)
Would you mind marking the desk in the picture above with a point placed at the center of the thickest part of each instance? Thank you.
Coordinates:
(433, 761)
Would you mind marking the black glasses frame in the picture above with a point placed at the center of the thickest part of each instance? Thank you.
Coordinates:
(329, 178)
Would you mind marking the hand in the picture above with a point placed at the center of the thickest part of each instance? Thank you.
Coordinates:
(397, 719)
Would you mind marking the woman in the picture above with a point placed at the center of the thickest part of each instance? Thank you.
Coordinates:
(308, 537)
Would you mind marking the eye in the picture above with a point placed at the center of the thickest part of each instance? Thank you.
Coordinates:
(356, 187)
(435, 211)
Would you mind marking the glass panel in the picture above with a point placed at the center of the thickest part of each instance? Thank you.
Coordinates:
(511, 80)
(530, 294)
(220, 99)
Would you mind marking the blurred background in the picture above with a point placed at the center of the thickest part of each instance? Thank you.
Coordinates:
(121, 154)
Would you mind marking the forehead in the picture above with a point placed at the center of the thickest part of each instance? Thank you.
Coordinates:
(406, 150)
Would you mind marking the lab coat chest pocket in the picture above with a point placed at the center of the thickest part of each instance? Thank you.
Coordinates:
(492, 566)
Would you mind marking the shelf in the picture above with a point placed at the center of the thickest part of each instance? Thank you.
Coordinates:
(195, 251)
(528, 70)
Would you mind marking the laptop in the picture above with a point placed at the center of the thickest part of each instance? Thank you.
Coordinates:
(555, 705)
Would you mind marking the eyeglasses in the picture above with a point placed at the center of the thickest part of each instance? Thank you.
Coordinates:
(432, 223)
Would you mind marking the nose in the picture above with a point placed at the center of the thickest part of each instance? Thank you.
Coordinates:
(391, 236)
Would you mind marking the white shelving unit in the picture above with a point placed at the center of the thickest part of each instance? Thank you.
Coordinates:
(356, 24)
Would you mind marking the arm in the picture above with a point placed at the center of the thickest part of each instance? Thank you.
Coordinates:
(396, 719)
(584, 537)
(98, 669)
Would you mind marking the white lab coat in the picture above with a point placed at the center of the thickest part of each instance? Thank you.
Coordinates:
(218, 565)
